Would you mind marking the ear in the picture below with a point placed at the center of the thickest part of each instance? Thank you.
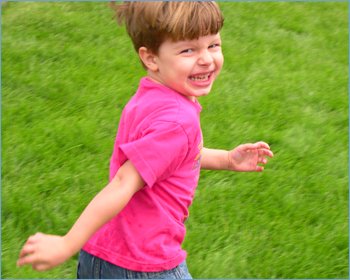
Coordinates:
(148, 59)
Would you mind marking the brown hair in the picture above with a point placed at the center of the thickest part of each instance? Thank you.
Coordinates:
(149, 24)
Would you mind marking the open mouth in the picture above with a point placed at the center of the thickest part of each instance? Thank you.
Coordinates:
(200, 77)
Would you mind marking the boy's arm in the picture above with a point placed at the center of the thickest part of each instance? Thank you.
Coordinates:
(44, 251)
(244, 158)
(214, 159)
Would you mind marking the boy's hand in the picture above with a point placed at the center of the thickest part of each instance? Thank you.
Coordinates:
(43, 251)
(249, 157)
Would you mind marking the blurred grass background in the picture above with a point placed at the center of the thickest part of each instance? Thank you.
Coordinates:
(67, 72)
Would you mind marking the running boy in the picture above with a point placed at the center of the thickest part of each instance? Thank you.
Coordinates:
(134, 227)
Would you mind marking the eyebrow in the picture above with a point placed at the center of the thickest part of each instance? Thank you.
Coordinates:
(190, 43)
(184, 44)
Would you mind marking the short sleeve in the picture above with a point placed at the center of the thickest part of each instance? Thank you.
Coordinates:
(158, 152)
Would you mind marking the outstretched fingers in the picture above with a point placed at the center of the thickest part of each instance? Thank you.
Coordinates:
(255, 146)
(262, 145)
(259, 168)
(35, 261)
(265, 152)
(251, 156)
(28, 253)
(28, 259)
(27, 250)
(262, 148)
(262, 160)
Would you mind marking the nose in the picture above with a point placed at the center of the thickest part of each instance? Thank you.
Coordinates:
(205, 58)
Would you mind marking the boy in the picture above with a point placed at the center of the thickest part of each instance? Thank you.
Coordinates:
(135, 226)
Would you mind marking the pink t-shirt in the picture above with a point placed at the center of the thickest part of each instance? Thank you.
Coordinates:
(159, 132)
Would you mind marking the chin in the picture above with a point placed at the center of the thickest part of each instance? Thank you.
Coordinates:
(199, 94)
(203, 92)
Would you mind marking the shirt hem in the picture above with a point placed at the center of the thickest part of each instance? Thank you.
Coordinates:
(134, 265)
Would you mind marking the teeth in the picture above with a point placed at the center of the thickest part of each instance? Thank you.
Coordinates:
(200, 77)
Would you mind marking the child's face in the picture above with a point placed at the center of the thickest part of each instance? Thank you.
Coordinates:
(189, 67)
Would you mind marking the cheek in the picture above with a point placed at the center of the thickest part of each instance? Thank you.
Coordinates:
(220, 61)
(180, 71)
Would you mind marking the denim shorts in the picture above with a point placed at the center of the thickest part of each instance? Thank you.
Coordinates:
(91, 267)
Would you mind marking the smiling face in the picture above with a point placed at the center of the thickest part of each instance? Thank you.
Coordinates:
(188, 67)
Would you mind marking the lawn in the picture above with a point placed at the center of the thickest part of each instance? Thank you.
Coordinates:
(67, 72)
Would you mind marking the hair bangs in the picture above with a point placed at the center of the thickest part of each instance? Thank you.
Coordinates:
(192, 20)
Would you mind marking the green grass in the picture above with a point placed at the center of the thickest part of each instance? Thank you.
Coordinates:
(67, 72)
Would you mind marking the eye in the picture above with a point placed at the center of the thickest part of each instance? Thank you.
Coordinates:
(214, 46)
(187, 51)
